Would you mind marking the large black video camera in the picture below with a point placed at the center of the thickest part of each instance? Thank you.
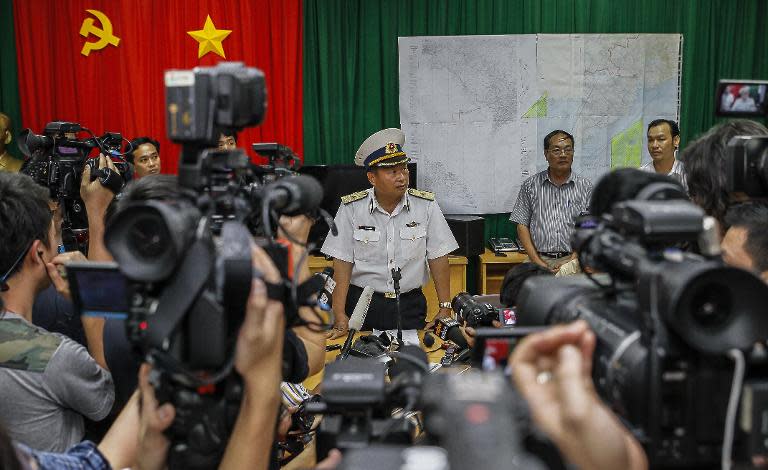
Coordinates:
(468, 419)
(746, 169)
(188, 261)
(56, 160)
(665, 324)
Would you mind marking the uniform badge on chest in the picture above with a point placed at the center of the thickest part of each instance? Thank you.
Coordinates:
(413, 224)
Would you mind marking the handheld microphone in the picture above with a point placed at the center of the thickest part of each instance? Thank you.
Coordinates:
(448, 330)
(325, 297)
(357, 319)
(295, 195)
(429, 340)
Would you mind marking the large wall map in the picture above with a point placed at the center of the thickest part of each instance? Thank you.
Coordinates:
(475, 109)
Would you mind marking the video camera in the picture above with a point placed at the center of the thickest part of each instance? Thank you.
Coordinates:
(188, 261)
(469, 423)
(57, 159)
(746, 169)
(664, 324)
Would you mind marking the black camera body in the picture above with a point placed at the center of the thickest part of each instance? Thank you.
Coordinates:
(57, 159)
(202, 102)
(663, 326)
(746, 169)
(188, 260)
(475, 314)
(470, 423)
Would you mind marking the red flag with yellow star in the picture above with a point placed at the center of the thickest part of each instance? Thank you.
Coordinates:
(101, 62)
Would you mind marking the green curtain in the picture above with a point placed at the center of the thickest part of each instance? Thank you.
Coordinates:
(9, 82)
(351, 58)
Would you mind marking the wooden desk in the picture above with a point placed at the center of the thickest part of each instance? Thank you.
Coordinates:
(458, 269)
(492, 268)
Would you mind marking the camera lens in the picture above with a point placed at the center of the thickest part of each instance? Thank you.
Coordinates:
(149, 237)
(711, 306)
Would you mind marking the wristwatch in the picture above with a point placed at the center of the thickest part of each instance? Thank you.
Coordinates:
(444, 305)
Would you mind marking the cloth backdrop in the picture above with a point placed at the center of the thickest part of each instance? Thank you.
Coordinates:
(351, 69)
(9, 82)
(121, 88)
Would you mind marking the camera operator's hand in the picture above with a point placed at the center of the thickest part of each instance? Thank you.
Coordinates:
(57, 271)
(93, 326)
(258, 355)
(154, 419)
(295, 228)
(332, 461)
(469, 333)
(552, 370)
(340, 327)
(95, 196)
(260, 342)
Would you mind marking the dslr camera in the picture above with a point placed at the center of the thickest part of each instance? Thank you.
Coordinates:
(56, 159)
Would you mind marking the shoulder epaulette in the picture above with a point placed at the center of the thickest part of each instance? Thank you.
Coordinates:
(354, 197)
(422, 194)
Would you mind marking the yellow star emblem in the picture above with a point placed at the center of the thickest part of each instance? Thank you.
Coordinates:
(210, 38)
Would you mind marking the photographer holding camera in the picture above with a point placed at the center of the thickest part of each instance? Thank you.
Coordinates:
(136, 438)
(745, 244)
(706, 163)
(553, 372)
(50, 372)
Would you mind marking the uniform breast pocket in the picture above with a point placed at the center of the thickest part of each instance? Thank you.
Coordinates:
(413, 242)
(367, 244)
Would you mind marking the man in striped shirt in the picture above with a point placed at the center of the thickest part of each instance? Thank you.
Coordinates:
(548, 202)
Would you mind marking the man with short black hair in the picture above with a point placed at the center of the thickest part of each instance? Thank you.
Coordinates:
(145, 156)
(663, 141)
(548, 202)
(47, 381)
(745, 244)
(228, 142)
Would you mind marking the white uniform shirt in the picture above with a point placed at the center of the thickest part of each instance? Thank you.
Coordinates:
(376, 241)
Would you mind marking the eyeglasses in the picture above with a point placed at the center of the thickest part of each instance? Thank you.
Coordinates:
(561, 151)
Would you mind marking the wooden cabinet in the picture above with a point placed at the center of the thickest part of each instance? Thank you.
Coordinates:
(493, 267)
(458, 267)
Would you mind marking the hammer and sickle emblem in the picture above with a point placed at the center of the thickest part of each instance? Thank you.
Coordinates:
(104, 33)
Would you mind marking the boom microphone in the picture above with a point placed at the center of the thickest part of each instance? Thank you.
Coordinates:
(357, 319)
(295, 195)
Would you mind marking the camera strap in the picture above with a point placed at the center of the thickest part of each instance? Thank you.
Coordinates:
(179, 295)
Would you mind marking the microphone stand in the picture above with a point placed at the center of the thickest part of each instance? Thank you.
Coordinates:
(396, 276)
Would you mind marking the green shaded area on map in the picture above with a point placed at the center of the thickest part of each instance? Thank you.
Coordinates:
(537, 109)
(627, 146)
